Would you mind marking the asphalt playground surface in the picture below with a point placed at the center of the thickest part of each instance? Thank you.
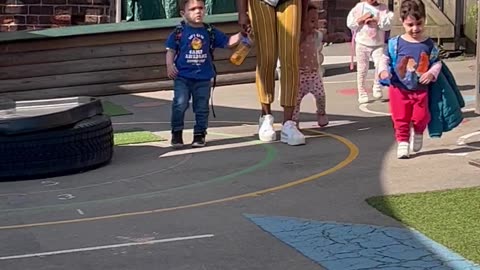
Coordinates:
(239, 203)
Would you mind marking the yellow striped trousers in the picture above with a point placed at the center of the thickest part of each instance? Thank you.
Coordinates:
(277, 36)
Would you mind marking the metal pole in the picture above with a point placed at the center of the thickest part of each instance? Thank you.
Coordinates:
(118, 11)
(477, 69)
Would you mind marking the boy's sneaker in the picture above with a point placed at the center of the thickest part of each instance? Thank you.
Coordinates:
(417, 142)
(377, 93)
(266, 133)
(322, 119)
(403, 150)
(198, 140)
(362, 97)
(177, 139)
(291, 135)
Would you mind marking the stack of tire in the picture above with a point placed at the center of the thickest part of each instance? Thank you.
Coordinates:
(55, 144)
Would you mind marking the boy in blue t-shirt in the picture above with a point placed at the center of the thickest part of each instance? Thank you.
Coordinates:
(415, 68)
(190, 64)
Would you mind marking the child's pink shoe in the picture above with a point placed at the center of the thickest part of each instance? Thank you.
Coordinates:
(322, 119)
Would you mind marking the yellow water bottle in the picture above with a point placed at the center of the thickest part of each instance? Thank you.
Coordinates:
(242, 51)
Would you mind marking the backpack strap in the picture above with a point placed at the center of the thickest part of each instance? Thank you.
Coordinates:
(434, 54)
(178, 36)
(211, 34)
(392, 50)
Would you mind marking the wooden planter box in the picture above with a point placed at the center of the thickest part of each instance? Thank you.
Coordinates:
(98, 60)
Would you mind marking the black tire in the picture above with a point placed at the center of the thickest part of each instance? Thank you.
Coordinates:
(86, 145)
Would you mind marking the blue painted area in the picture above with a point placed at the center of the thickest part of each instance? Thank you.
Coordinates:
(469, 98)
(339, 246)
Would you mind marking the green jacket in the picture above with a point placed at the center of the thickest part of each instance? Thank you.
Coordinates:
(445, 104)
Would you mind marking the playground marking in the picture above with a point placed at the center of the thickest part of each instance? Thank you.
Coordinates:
(353, 153)
(347, 246)
(364, 108)
(127, 179)
(94, 248)
(303, 125)
(462, 140)
(221, 147)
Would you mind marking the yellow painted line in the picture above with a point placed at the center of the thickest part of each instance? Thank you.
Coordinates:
(352, 155)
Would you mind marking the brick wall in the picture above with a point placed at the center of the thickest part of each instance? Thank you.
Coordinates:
(17, 15)
(337, 14)
(333, 18)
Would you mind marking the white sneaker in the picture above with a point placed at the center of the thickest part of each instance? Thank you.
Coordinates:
(291, 135)
(362, 98)
(403, 150)
(377, 92)
(417, 142)
(266, 133)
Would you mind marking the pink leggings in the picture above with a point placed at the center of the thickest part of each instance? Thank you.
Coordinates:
(310, 82)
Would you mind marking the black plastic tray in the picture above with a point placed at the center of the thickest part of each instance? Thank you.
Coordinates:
(17, 117)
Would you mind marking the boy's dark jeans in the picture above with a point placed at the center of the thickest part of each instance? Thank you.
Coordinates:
(199, 91)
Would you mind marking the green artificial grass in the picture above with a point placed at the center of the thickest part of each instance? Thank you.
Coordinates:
(111, 109)
(451, 218)
(135, 137)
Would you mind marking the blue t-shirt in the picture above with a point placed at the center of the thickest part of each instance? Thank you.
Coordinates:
(193, 59)
(413, 59)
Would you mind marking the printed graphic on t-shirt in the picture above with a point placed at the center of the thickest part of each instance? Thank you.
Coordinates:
(407, 66)
(196, 55)
(413, 61)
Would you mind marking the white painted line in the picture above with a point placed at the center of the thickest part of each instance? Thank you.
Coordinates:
(67, 251)
(80, 212)
(457, 154)
(463, 139)
(364, 108)
(468, 110)
(49, 183)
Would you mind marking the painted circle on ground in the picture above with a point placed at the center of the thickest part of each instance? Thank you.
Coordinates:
(469, 98)
(269, 156)
(353, 153)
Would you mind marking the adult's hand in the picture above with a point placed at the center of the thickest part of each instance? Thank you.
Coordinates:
(244, 22)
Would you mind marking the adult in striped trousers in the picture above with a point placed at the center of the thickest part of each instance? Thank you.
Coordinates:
(276, 26)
